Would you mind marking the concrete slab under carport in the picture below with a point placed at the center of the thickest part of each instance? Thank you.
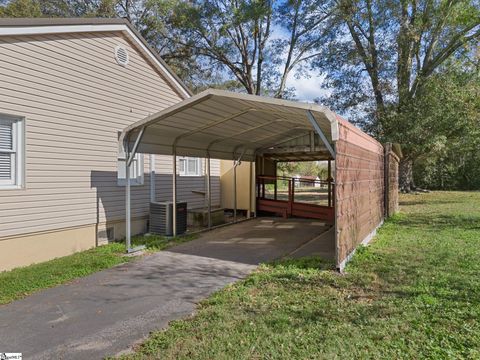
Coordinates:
(322, 245)
(262, 239)
(106, 313)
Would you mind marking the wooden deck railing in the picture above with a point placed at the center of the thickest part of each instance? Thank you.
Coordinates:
(301, 197)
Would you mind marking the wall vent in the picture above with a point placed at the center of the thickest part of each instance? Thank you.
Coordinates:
(121, 55)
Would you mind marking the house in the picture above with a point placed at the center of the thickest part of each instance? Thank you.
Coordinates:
(68, 87)
(307, 181)
(73, 92)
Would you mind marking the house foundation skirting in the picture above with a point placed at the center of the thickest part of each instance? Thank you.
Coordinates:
(32, 248)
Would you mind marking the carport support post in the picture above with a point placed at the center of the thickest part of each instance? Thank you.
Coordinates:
(152, 177)
(129, 155)
(174, 191)
(320, 133)
(209, 192)
(250, 190)
(235, 164)
(128, 232)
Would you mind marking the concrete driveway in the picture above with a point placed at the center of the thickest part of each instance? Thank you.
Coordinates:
(108, 312)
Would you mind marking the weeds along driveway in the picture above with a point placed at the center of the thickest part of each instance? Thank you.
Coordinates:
(107, 312)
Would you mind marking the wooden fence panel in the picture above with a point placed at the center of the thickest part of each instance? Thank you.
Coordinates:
(360, 186)
(391, 181)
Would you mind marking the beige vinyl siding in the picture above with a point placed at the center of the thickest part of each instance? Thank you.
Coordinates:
(75, 98)
(188, 187)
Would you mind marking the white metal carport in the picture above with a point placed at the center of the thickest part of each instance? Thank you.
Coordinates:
(230, 126)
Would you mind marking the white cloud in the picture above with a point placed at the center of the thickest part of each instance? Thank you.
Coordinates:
(307, 89)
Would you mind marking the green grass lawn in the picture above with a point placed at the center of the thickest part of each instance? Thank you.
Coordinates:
(414, 293)
(24, 281)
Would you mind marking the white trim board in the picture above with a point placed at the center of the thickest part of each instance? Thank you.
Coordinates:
(59, 29)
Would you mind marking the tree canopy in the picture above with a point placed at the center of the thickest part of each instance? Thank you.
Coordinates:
(382, 54)
(406, 71)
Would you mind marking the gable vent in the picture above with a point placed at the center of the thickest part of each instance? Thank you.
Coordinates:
(121, 55)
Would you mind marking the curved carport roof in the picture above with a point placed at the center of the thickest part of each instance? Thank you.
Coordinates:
(226, 125)
(231, 126)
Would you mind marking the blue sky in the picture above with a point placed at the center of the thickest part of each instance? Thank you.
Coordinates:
(307, 88)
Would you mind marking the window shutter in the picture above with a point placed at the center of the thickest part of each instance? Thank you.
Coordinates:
(6, 144)
(6, 135)
(5, 166)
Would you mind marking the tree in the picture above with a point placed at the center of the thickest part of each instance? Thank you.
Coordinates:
(226, 36)
(59, 8)
(20, 8)
(450, 153)
(303, 22)
(381, 53)
(302, 168)
(382, 59)
(287, 168)
(235, 38)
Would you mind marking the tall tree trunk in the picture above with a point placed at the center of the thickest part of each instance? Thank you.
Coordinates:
(405, 174)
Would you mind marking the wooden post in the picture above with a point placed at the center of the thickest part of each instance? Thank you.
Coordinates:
(329, 180)
(257, 184)
(293, 190)
(291, 185)
(386, 170)
(275, 188)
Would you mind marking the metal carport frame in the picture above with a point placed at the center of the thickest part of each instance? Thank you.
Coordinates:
(228, 126)
(232, 126)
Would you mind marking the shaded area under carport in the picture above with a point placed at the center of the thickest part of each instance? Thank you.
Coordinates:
(262, 239)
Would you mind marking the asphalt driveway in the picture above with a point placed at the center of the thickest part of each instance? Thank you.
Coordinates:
(108, 312)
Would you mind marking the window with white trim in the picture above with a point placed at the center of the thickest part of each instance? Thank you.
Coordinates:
(136, 168)
(190, 166)
(11, 151)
